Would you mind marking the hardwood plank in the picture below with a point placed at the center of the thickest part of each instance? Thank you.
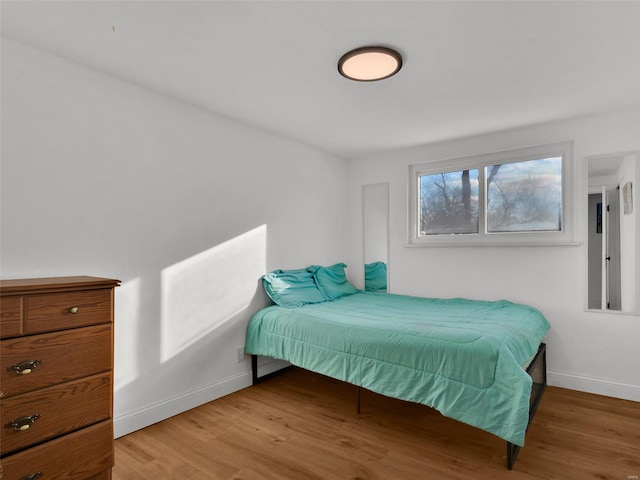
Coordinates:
(301, 425)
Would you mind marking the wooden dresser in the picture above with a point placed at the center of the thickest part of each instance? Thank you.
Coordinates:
(56, 380)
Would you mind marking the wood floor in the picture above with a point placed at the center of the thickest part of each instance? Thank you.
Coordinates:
(304, 426)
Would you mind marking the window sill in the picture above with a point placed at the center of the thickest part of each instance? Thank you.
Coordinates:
(467, 243)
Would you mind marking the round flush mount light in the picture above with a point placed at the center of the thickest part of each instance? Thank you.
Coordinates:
(368, 64)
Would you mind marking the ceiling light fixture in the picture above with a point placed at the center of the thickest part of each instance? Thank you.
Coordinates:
(368, 64)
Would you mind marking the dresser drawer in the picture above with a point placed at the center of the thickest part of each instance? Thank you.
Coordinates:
(77, 456)
(11, 316)
(50, 412)
(55, 358)
(58, 311)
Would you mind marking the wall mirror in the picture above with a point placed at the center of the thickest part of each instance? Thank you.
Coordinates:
(375, 214)
(613, 233)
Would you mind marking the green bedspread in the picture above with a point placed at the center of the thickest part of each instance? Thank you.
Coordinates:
(463, 357)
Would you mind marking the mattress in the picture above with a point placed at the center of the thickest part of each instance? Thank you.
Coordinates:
(462, 357)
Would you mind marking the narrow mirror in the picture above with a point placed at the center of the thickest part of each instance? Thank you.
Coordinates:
(375, 210)
(613, 233)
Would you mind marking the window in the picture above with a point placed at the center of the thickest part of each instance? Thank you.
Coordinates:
(525, 196)
(448, 202)
(513, 197)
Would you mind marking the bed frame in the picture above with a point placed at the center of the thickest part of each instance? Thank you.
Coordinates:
(537, 370)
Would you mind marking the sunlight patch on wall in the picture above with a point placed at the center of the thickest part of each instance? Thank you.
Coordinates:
(203, 292)
(127, 328)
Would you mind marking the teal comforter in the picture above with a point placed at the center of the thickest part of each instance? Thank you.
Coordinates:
(463, 357)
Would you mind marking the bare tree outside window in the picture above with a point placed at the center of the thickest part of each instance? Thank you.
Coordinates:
(521, 197)
(513, 197)
(525, 196)
(449, 203)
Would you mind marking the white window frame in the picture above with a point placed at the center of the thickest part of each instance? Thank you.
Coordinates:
(484, 238)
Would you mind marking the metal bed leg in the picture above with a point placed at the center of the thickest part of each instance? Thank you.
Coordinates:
(512, 454)
(254, 369)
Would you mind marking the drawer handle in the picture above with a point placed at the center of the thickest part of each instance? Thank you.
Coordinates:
(33, 476)
(74, 309)
(24, 423)
(26, 367)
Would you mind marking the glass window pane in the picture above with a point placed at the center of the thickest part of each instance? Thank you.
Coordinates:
(449, 203)
(525, 196)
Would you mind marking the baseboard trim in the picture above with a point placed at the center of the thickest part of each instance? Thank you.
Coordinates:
(156, 412)
(594, 385)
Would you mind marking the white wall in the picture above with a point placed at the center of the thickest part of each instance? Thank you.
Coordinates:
(628, 172)
(188, 209)
(595, 352)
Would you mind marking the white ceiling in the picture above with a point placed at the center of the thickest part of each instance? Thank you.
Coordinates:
(469, 67)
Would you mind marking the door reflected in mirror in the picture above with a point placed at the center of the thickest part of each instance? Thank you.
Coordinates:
(375, 211)
(613, 233)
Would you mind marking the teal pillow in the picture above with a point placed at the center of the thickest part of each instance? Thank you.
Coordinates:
(292, 288)
(375, 277)
(332, 281)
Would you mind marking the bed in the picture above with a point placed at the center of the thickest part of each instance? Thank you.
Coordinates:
(479, 362)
